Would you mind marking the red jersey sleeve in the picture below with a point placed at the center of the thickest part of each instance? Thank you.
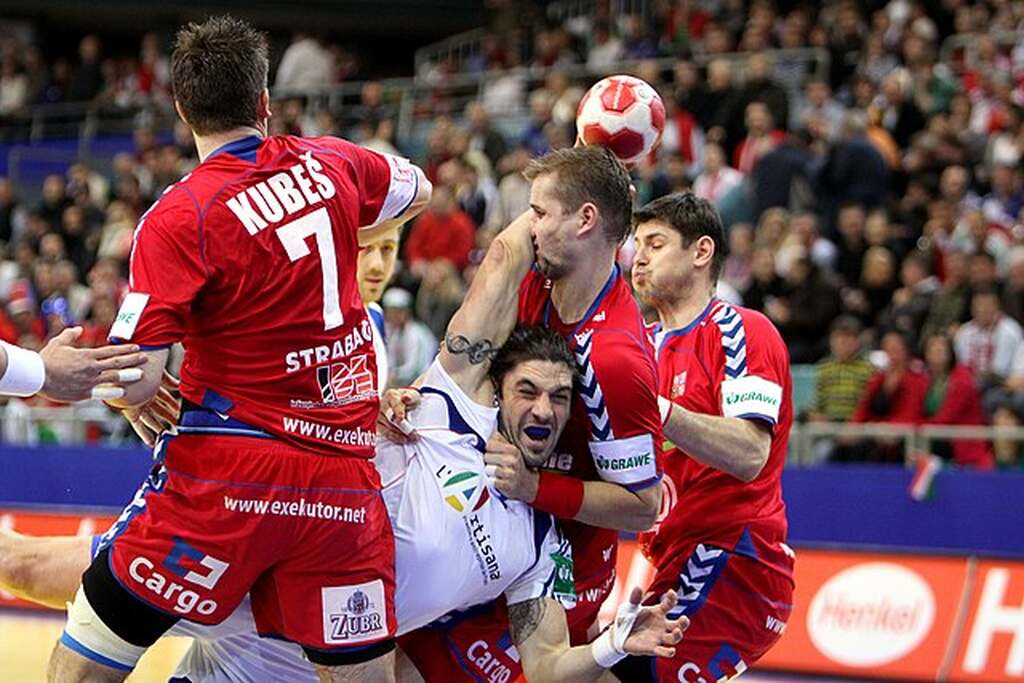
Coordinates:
(387, 184)
(167, 269)
(746, 356)
(619, 390)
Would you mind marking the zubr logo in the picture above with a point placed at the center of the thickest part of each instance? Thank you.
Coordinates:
(354, 614)
(871, 614)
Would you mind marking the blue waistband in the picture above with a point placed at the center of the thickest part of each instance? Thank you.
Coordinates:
(199, 420)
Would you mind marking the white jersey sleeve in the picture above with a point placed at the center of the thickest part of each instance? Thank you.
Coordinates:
(551, 575)
(482, 420)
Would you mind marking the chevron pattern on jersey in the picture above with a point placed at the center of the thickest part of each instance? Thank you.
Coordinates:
(734, 340)
(698, 576)
(590, 390)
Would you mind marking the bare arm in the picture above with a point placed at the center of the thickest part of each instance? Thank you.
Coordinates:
(488, 313)
(541, 635)
(145, 389)
(734, 445)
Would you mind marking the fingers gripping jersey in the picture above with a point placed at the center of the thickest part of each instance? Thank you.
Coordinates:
(730, 362)
(614, 424)
(250, 262)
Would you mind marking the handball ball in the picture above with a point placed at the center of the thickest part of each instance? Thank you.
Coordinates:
(624, 114)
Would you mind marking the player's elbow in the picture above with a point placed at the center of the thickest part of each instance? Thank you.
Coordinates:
(753, 464)
(647, 509)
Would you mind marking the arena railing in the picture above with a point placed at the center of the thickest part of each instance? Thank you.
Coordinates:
(914, 439)
(25, 424)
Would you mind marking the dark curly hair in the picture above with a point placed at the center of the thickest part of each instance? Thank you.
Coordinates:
(531, 342)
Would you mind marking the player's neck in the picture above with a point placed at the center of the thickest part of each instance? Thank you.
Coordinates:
(675, 315)
(208, 144)
(573, 294)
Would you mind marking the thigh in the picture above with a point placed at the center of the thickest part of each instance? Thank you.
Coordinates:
(334, 591)
(178, 547)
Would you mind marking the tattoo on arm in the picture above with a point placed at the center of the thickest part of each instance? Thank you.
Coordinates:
(525, 617)
(477, 352)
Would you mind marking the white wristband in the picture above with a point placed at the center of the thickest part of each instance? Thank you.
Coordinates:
(664, 409)
(604, 652)
(25, 374)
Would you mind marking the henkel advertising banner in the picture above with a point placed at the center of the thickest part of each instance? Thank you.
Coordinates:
(992, 646)
(862, 615)
(49, 524)
(906, 618)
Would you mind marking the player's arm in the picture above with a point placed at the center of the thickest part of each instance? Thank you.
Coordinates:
(488, 313)
(424, 190)
(62, 372)
(146, 388)
(738, 440)
(541, 634)
(43, 569)
(392, 189)
(734, 445)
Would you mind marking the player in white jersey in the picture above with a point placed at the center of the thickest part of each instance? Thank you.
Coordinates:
(459, 542)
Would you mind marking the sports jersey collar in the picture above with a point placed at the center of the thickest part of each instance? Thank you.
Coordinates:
(661, 337)
(243, 148)
(593, 307)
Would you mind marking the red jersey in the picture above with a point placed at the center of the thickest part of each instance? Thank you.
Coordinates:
(250, 261)
(729, 362)
(614, 424)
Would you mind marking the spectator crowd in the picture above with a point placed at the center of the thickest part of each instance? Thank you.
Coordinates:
(872, 189)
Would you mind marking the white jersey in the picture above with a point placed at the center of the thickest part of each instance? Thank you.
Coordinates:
(458, 542)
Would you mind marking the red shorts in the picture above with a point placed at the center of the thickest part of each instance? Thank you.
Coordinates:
(477, 646)
(308, 536)
(738, 608)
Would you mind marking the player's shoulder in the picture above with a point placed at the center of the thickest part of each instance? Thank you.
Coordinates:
(176, 209)
(733, 323)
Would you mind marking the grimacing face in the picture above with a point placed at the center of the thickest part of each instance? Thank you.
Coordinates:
(552, 228)
(375, 266)
(535, 402)
(662, 265)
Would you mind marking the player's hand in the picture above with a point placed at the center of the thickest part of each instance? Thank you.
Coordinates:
(392, 421)
(76, 374)
(653, 633)
(507, 470)
(159, 414)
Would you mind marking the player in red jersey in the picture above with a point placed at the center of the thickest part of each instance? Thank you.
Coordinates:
(603, 476)
(250, 261)
(725, 390)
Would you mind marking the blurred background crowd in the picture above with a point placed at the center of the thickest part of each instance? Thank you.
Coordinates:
(865, 157)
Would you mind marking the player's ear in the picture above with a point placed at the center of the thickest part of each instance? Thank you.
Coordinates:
(588, 216)
(705, 251)
(264, 105)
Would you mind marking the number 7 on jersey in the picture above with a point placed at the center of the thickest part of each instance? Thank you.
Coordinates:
(293, 236)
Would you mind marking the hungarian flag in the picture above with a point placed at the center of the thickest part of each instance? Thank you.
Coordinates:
(922, 485)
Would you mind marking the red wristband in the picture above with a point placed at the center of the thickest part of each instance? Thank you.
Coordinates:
(558, 494)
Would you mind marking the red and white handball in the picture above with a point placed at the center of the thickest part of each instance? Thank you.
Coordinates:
(624, 114)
